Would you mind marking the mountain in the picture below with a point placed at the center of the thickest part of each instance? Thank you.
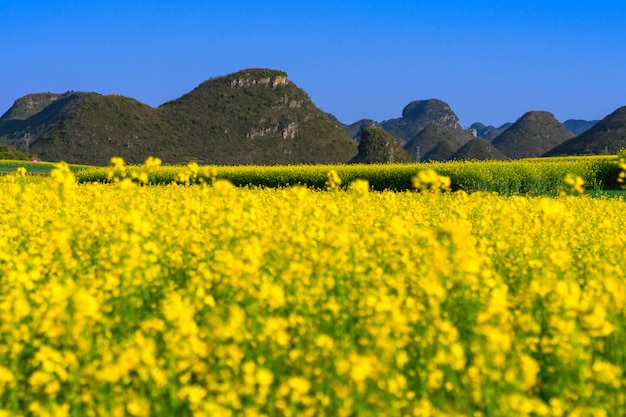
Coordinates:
(427, 138)
(533, 134)
(255, 116)
(487, 132)
(578, 127)
(354, 130)
(379, 146)
(35, 113)
(442, 151)
(478, 148)
(606, 136)
(89, 128)
(29, 105)
(419, 114)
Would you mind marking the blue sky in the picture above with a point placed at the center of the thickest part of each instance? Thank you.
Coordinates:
(490, 60)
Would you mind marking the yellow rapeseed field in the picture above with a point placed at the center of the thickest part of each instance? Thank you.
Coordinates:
(210, 300)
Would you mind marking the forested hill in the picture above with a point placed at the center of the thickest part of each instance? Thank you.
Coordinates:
(255, 116)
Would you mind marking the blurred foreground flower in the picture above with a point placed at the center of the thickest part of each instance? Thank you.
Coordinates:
(429, 180)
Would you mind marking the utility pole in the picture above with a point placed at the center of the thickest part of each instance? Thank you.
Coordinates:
(27, 142)
(417, 153)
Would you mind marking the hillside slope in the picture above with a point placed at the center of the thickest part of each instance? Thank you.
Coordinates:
(354, 130)
(606, 136)
(442, 151)
(487, 132)
(29, 105)
(419, 114)
(429, 137)
(379, 146)
(578, 127)
(533, 134)
(95, 128)
(479, 149)
(255, 116)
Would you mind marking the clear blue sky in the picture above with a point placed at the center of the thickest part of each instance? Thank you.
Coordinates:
(490, 60)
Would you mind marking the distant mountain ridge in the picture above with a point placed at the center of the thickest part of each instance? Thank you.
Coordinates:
(578, 127)
(354, 130)
(419, 114)
(488, 132)
(258, 116)
(254, 116)
(439, 137)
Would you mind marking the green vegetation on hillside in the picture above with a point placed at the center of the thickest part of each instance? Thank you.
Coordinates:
(431, 137)
(419, 114)
(379, 146)
(607, 136)
(255, 116)
(478, 148)
(534, 134)
(9, 152)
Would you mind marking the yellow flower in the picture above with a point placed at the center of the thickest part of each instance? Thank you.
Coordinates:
(299, 384)
(6, 377)
(152, 162)
(429, 180)
(138, 407)
(621, 177)
(530, 369)
(264, 377)
(117, 162)
(359, 186)
(607, 373)
(193, 393)
(63, 177)
(361, 368)
(333, 181)
(573, 184)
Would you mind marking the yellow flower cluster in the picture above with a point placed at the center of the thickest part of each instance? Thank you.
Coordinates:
(533, 176)
(333, 180)
(120, 299)
(429, 180)
(572, 185)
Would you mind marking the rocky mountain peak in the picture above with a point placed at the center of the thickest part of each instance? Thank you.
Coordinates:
(249, 78)
(29, 105)
(419, 114)
(431, 110)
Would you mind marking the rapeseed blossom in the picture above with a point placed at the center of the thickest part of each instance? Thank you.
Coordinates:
(621, 178)
(573, 184)
(429, 180)
(213, 300)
